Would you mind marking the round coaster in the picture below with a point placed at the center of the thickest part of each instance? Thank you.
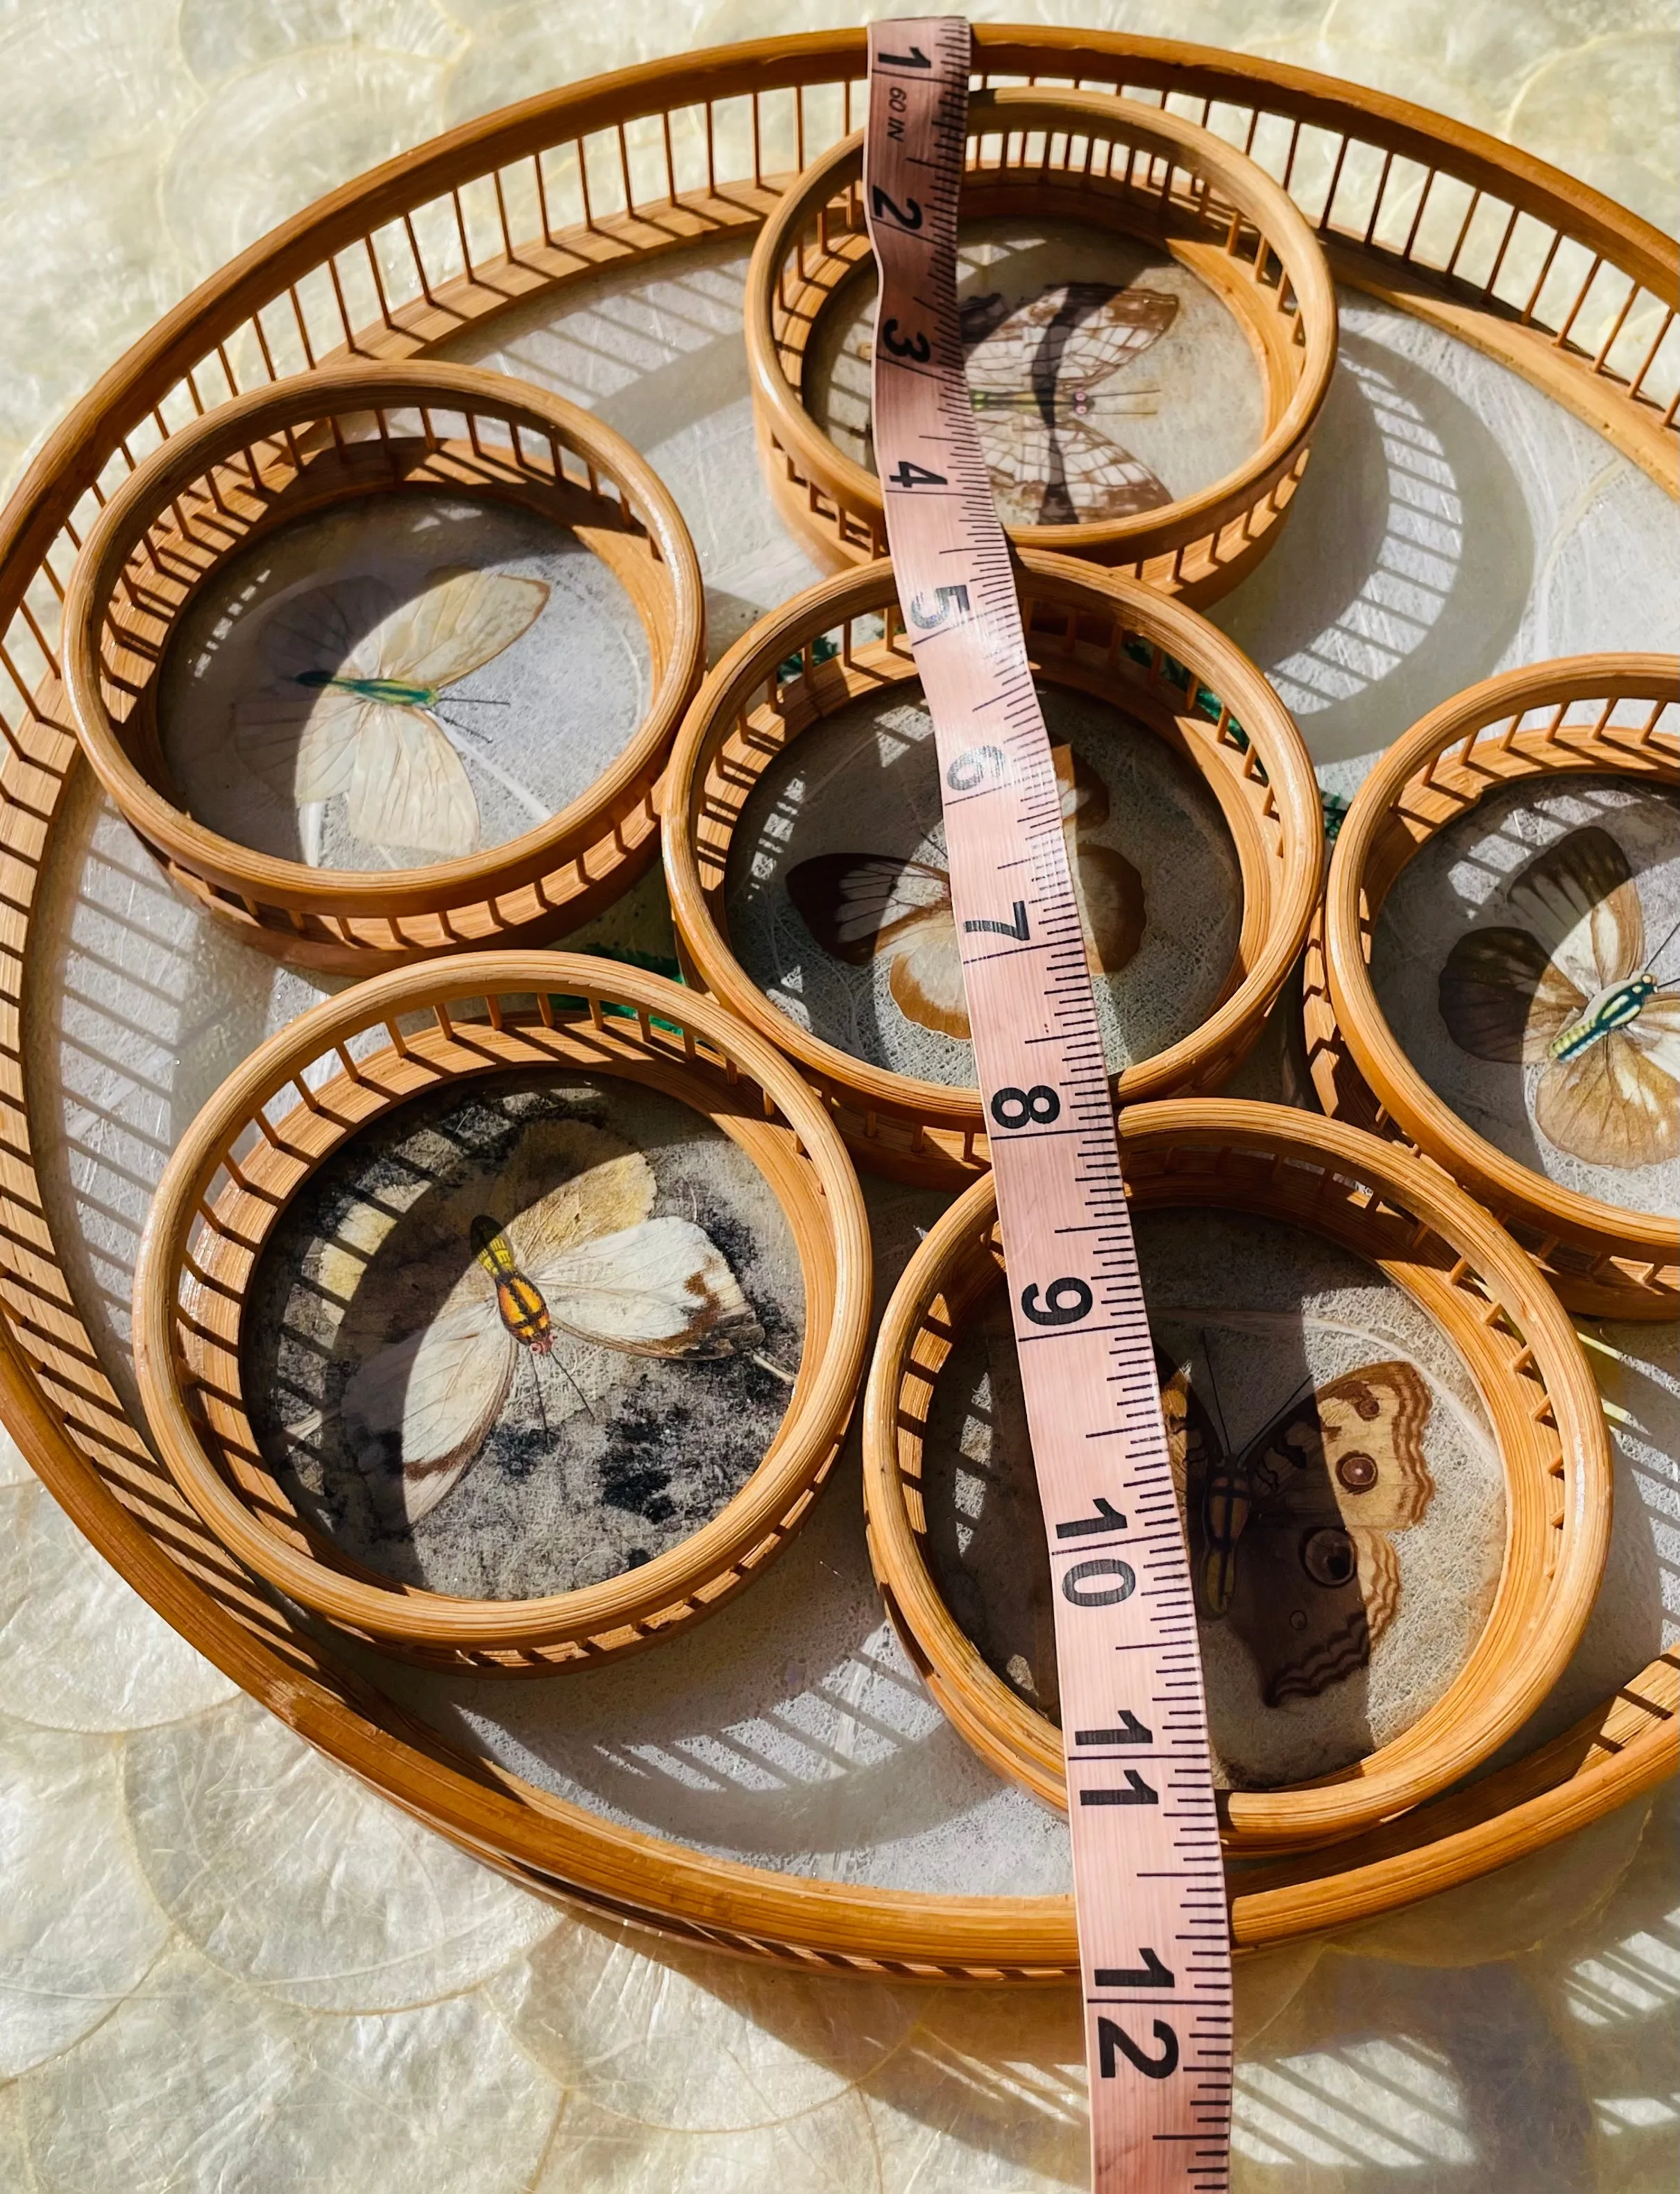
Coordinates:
(1394, 1469)
(380, 663)
(1150, 331)
(805, 849)
(507, 1311)
(1496, 974)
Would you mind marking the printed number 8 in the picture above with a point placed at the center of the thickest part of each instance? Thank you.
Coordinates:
(1014, 1108)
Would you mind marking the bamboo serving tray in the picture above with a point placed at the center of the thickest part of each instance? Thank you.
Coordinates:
(1427, 1238)
(298, 1099)
(268, 457)
(1087, 629)
(1109, 164)
(1477, 238)
(1547, 724)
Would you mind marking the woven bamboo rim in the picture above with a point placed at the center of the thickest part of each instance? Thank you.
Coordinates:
(1547, 720)
(1544, 274)
(215, 1210)
(1087, 628)
(1427, 1238)
(263, 459)
(1058, 157)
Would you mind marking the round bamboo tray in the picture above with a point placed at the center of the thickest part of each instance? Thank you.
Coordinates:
(1546, 723)
(323, 439)
(1475, 236)
(294, 1103)
(1086, 628)
(1426, 1236)
(1109, 164)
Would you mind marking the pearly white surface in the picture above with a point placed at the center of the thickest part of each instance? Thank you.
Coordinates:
(1517, 2034)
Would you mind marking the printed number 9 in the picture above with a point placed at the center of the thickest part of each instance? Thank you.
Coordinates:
(1014, 1108)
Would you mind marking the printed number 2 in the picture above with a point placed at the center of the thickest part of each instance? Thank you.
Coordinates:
(907, 216)
(1110, 2038)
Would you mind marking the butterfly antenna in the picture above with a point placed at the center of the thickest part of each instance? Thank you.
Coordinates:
(573, 1385)
(1213, 1389)
(1651, 958)
(538, 1383)
(775, 1370)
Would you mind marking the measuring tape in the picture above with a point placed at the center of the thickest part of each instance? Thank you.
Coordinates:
(1154, 1951)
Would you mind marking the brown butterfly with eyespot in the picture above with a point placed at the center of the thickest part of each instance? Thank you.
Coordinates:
(1290, 1538)
(862, 906)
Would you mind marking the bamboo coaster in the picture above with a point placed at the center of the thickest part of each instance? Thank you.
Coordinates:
(1553, 786)
(349, 441)
(445, 1027)
(1113, 167)
(1427, 1238)
(1225, 752)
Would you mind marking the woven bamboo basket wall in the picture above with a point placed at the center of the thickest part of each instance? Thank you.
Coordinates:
(263, 460)
(1110, 165)
(1488, 244)
(294, 1104)
(1546, 725)
(1160, 662)
(1428, 1238)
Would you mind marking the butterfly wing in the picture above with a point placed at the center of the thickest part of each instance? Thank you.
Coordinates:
(1084, 796)
(1318, 1581)
(406, 784)
(1212, 1488)
(992, 339)
(1578, 899)
(567, 1182)
(1096, 330)
(463, 620)
(1502, 997)
(857, 905)
(1109, 893)
(301, 738)
(661, 1288)
(1088, 478)
(416, 1413)
(1618, 1102)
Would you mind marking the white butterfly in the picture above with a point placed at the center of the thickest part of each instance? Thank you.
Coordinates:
(538, 1272)
(354, 677)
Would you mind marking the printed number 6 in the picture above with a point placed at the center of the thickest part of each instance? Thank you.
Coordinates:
(1065, 1302)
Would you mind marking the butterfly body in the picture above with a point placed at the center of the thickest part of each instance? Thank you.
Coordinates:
(1290, 1535)
(1612, 1009)
(518, 1298)
(390, 691)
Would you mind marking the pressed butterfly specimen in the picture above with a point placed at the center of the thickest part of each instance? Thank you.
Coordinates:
(1035, 373)
(861, 907)
(1574, 991)
(526, 1273)
(1290, 1535)
(350, 706)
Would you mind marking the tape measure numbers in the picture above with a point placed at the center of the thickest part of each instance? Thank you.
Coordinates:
(1148, 1883)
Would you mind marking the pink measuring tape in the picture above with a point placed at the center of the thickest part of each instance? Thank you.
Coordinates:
(1154, 1949)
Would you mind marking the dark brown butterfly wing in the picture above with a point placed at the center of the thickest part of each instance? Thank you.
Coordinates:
(1503, 998)
(1316, 1579)
(853, 904)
